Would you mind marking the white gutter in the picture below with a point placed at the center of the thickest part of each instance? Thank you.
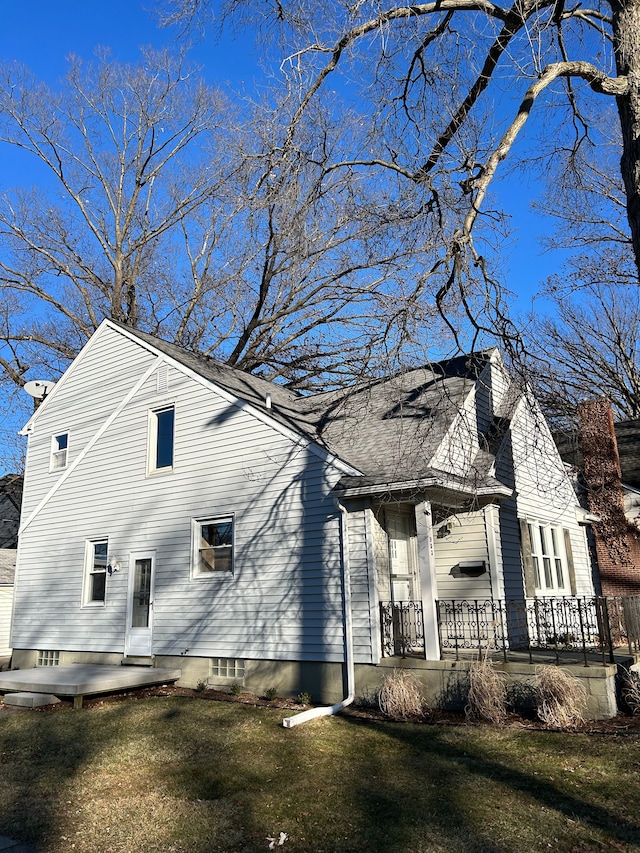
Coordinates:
(326, 711)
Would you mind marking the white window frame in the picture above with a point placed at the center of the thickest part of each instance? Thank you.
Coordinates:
(549, 558)
(59, 456)
(152, 441)
(196, 525)
(90, 571)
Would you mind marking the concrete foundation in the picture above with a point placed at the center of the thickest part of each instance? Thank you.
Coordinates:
(445, 682)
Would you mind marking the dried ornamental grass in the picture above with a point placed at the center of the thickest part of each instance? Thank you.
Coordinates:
(487, 699)
(560, 698)
(400, 695)
(631, 691)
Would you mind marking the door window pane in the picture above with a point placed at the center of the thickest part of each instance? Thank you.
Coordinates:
(141, 594)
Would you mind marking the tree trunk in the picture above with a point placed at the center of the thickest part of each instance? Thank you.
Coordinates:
(626, 44)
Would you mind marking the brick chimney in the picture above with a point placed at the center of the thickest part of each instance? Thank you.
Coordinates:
(617, 541)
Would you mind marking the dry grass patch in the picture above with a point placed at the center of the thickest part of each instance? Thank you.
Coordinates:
(400, 696)
(176, 774)
(560, 698)
(487, 698)
(631, 691)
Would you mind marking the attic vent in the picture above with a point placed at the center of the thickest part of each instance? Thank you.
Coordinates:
(162, 379)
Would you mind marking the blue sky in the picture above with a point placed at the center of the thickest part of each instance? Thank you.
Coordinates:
(41, 34)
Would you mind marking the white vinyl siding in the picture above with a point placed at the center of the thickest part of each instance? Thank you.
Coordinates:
(464, 543)
(543, 493)
(365, 634)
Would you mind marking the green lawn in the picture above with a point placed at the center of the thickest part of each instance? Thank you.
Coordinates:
(187, 774)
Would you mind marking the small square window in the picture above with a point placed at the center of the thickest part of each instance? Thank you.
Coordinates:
(161, 438)
(213, 545)
(96, 571)
(47, 657)
(59, 448)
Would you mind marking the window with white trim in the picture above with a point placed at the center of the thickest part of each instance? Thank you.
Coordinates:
(161, 438)
(59, 451)
(212, 545)
(95, 581)
(550, 570)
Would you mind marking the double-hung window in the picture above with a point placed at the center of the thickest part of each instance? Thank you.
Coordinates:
(550, 569)
(59, 450)
(212, 545)
(95, 581)
(161, 438)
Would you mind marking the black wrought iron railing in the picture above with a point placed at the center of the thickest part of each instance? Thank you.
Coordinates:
(402, 628)
(587, 625)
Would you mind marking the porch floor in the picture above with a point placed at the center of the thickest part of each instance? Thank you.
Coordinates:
(80, 679)
(566, 657)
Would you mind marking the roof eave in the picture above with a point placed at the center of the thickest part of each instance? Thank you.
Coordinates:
(486, 494)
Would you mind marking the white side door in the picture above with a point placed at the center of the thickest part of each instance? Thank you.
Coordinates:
(140, 604)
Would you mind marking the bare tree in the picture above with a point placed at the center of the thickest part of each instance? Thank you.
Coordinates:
(169, 208)
(591, 347)
(113, 143)
(445, 90)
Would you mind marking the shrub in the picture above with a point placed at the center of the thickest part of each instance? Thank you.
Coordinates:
(631, 691)
(270, 694)
(201, 686)
(400, 696)
(236, 688)
(304, 698)
(560, 698)
(487, 697)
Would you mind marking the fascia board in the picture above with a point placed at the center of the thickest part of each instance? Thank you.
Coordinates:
(427, 483)
(28, 427)
(243, 405)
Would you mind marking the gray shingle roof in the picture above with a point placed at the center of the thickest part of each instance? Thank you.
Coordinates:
(7, 564)
(389, 428)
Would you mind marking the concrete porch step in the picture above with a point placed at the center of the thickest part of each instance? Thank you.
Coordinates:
(24, 699)
(138, 660)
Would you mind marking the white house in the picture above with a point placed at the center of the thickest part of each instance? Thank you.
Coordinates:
(181, 512)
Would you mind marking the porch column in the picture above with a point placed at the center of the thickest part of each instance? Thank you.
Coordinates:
(428, 582)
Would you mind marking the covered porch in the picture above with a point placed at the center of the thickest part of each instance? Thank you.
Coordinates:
(560, 629)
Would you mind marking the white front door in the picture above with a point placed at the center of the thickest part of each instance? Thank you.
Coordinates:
(140, 604)
(403, 561)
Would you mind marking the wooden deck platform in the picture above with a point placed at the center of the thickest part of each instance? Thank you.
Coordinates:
(78, 680)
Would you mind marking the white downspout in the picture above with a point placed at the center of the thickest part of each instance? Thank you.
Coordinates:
(326, 711)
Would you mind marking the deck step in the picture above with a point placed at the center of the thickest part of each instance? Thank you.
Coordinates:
(138, 660)
(23, 699)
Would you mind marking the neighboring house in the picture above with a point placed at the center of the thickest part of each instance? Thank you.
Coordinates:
(178, 510)
(606, 457)
(7, 574)
(10, 501)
